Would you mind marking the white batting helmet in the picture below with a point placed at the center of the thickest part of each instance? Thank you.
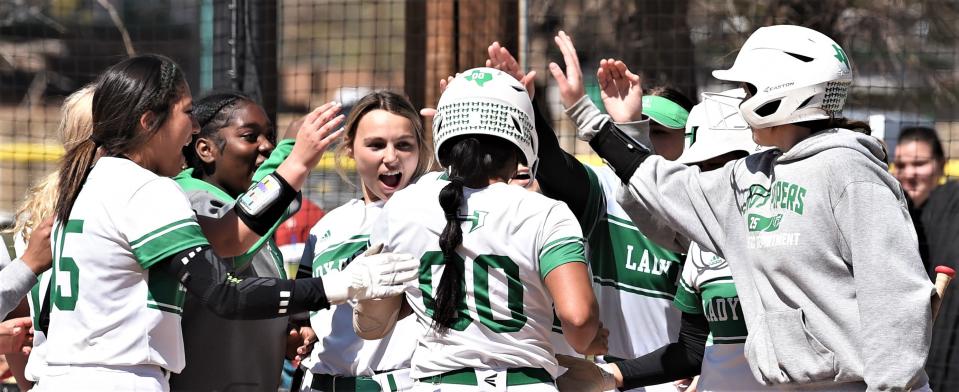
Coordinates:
(487, 101)
(795, 73)
(715, 127)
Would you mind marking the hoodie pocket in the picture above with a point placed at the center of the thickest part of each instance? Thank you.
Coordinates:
(782, 350)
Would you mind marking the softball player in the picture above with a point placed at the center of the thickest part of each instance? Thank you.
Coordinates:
(126, 242)
(494, 258)
(714, 329)
(235, 143)
(634, 278)
(816, 230)
(388, 143)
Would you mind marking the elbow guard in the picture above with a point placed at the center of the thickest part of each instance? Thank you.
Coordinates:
(620, 151)
(210, 278)
(264, 203)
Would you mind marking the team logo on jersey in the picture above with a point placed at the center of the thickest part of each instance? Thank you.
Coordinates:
(715, 262)
(781, 196)
(757, 197)
(479, 77)
(758, 222)
(477, 219)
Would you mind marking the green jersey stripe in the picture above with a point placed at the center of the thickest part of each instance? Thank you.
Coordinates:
(633, 289)
(687, 300)
(158, 232)
(561, 241)
(618, 222)
(168, 244)
(570, 252)
(623, 222)
(682, 283)
(335, 247)
(718, 279)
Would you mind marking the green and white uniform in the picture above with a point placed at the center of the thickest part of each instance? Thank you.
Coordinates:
(707, 288)
(250, 364)
(634, 279)
(335, 240)
(512, 239)
(109, 309)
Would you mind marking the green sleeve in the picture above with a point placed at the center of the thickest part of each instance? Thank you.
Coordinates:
(279, 154)
(167, 241)
(687, 300)
(559, 252)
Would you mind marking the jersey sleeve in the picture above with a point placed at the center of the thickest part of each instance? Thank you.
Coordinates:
(158, 222)
(279, 154)
(688, 299)
(595, 207)
(562, 240)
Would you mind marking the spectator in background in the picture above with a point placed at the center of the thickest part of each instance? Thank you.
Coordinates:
(920, 165)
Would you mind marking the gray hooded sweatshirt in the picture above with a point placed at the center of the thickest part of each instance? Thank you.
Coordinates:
(822, 251)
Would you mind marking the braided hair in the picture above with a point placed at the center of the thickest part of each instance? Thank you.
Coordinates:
(472, 161)
(123, 94)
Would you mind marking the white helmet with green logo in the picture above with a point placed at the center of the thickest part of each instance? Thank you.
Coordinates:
(795, 74)
(487, 101)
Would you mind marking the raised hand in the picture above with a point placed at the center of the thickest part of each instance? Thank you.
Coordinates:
(318, 130)
(570, 84)
(501, 59)
(622, 91)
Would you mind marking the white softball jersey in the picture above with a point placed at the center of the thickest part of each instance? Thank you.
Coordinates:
(334, 241)
(512, 238)
(707, 288)
(634, 279)
(108, 307)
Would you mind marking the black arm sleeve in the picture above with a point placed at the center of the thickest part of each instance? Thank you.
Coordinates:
(560, 175)
(210, 278)
(620, 151)
(672, 362)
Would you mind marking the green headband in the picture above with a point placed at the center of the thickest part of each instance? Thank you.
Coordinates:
(665, 112)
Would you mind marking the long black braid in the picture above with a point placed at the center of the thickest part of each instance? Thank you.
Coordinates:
(472, 161)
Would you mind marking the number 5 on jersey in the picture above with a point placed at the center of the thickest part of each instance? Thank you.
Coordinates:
(66, 276)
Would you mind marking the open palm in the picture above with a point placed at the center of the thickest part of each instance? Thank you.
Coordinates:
(621, 90)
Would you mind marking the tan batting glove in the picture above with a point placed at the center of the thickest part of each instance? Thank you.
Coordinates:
(583, 375)
(371, 276)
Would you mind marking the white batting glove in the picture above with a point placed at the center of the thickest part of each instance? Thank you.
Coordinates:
(371, 276)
